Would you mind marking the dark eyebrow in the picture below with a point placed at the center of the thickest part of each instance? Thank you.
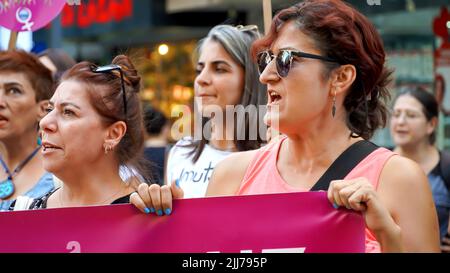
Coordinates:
(218, 62)
(13, 84)
(221, 62)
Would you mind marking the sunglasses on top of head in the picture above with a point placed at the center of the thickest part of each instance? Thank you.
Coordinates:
(284, 60)
(108, 69)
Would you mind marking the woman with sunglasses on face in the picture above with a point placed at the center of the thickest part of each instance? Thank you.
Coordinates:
(337, 56)
(413, 126)
(226, 76)
(25, 87)
(323, 64)
(93, 126)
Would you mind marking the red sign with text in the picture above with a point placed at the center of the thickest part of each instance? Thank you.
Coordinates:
(96, 12)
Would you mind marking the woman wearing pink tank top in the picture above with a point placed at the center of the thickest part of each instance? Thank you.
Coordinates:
(323, 64)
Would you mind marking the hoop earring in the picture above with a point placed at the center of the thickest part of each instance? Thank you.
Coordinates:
(333, 109)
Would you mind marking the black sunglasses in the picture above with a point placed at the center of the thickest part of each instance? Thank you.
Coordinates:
(284, 60)
(109, 68)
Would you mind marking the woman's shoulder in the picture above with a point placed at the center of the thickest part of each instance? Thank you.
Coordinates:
(184, 141)
(403, 187)
(185, 149)
(44, 185)
(401, 174)
(229, 173)
(182, 147)
(401, 166)
(238, 160)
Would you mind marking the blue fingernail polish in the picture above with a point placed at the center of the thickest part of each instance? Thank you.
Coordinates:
(168, 211)
(177, 182)
(336, 206)
(146, 210)
(152, 210)
(159, 212)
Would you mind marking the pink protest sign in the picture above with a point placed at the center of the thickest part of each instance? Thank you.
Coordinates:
(292, 222)
(28, 15)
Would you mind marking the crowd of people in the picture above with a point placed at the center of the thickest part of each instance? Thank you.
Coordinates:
(321, 73)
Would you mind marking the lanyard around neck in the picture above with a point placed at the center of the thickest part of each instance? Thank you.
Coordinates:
(20, 166)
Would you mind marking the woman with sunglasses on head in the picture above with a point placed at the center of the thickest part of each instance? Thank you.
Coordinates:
(226, 77)
(413, 126)
(323, 64)
(93, 126)
(25, 87)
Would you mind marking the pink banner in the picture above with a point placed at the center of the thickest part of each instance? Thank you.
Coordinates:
(293, 222)
(29, 15)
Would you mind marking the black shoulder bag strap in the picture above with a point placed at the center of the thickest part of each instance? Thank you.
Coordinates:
(445, 168)
(345, 163)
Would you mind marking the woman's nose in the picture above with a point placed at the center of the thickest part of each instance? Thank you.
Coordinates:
(203, 78)
(2, 98)
(47, 123)
(269, 73)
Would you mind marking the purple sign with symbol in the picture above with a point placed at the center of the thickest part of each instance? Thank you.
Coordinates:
(28, 15)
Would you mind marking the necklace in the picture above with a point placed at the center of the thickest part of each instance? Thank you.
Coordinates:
(7, 186)
(96, 204)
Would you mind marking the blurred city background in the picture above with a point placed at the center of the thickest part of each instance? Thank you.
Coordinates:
(160, 36)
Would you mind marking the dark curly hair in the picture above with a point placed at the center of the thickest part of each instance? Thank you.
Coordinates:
(342, 33)
(154, 120)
